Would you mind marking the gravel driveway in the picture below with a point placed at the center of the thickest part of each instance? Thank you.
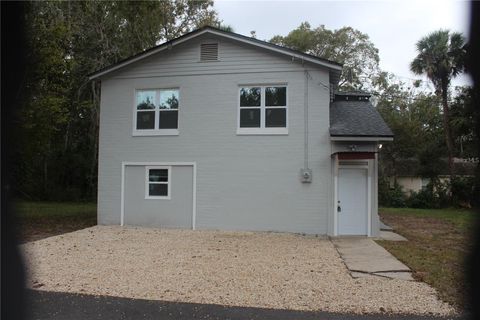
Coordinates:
(268, 270)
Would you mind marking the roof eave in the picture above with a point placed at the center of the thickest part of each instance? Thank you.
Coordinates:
(360, 138)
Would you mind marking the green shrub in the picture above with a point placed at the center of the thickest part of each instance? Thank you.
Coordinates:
(442, 194)
(422, 199)
(458, 192)
(390, 197)
(383, 188)
(462, 191)
(434, 196)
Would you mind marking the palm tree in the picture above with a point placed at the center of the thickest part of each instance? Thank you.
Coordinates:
(441, 57)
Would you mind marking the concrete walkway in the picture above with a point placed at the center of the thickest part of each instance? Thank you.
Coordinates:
(364, 258)
(385, 227)
(391, 236)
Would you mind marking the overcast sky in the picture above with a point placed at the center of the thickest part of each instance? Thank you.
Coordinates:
(393, 26)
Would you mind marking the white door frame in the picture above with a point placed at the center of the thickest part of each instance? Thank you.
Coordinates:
(361, 165)
(194, 195)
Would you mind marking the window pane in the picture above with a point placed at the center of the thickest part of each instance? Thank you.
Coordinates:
(157, 189)
(250, 118)
(145, 120)
(276, 117)
(250, 97)
(158, 175)
(168, 119)
(276, 96)
(169, 99)
(145, 100)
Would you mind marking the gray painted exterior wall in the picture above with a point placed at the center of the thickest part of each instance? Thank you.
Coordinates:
(244, 182)
(175, 212)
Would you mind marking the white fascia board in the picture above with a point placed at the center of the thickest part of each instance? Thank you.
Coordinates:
(361, 138)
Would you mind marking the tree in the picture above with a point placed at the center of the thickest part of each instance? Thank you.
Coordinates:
(441, 57)
(462, 110)
(410, 114)
(67, 41)
(346, 45)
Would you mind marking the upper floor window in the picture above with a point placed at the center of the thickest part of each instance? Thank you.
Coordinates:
(156, 111)
(263, 110)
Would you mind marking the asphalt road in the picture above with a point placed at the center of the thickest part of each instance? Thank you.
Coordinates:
(42, 305)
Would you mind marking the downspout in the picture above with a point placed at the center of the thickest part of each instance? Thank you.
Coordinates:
(305, 113)
(305, 172)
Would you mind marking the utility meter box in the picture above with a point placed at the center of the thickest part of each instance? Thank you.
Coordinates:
(306, 175)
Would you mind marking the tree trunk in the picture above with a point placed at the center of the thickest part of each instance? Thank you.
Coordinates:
(446, 125)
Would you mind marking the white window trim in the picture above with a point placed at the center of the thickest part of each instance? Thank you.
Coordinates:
(163, 132)
(263, 130)
(155, 131)
(169, 183)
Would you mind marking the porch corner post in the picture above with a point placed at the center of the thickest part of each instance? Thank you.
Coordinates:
(375, 203)
(335, 194)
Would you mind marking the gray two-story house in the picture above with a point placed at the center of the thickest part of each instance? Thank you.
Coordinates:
(215, 130)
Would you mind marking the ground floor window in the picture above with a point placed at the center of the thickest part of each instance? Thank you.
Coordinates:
(157, 182)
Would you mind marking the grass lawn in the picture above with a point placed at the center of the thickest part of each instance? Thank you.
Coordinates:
(439, 241)
(39, 220)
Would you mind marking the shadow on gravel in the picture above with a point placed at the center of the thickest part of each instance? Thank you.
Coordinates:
(42, 305)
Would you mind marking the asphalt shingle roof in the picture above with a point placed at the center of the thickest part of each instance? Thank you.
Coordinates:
(357, 119)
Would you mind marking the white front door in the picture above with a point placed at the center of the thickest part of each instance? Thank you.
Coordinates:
(352, 206)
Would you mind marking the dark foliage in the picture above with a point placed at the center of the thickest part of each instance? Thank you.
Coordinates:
(390, 196)
(58, 136)
(459, 192)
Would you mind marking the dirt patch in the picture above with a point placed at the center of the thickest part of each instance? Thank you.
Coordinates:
(40, 228)
(268, 270)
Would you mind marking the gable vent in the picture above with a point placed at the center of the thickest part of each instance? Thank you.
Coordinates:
(209, 52)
